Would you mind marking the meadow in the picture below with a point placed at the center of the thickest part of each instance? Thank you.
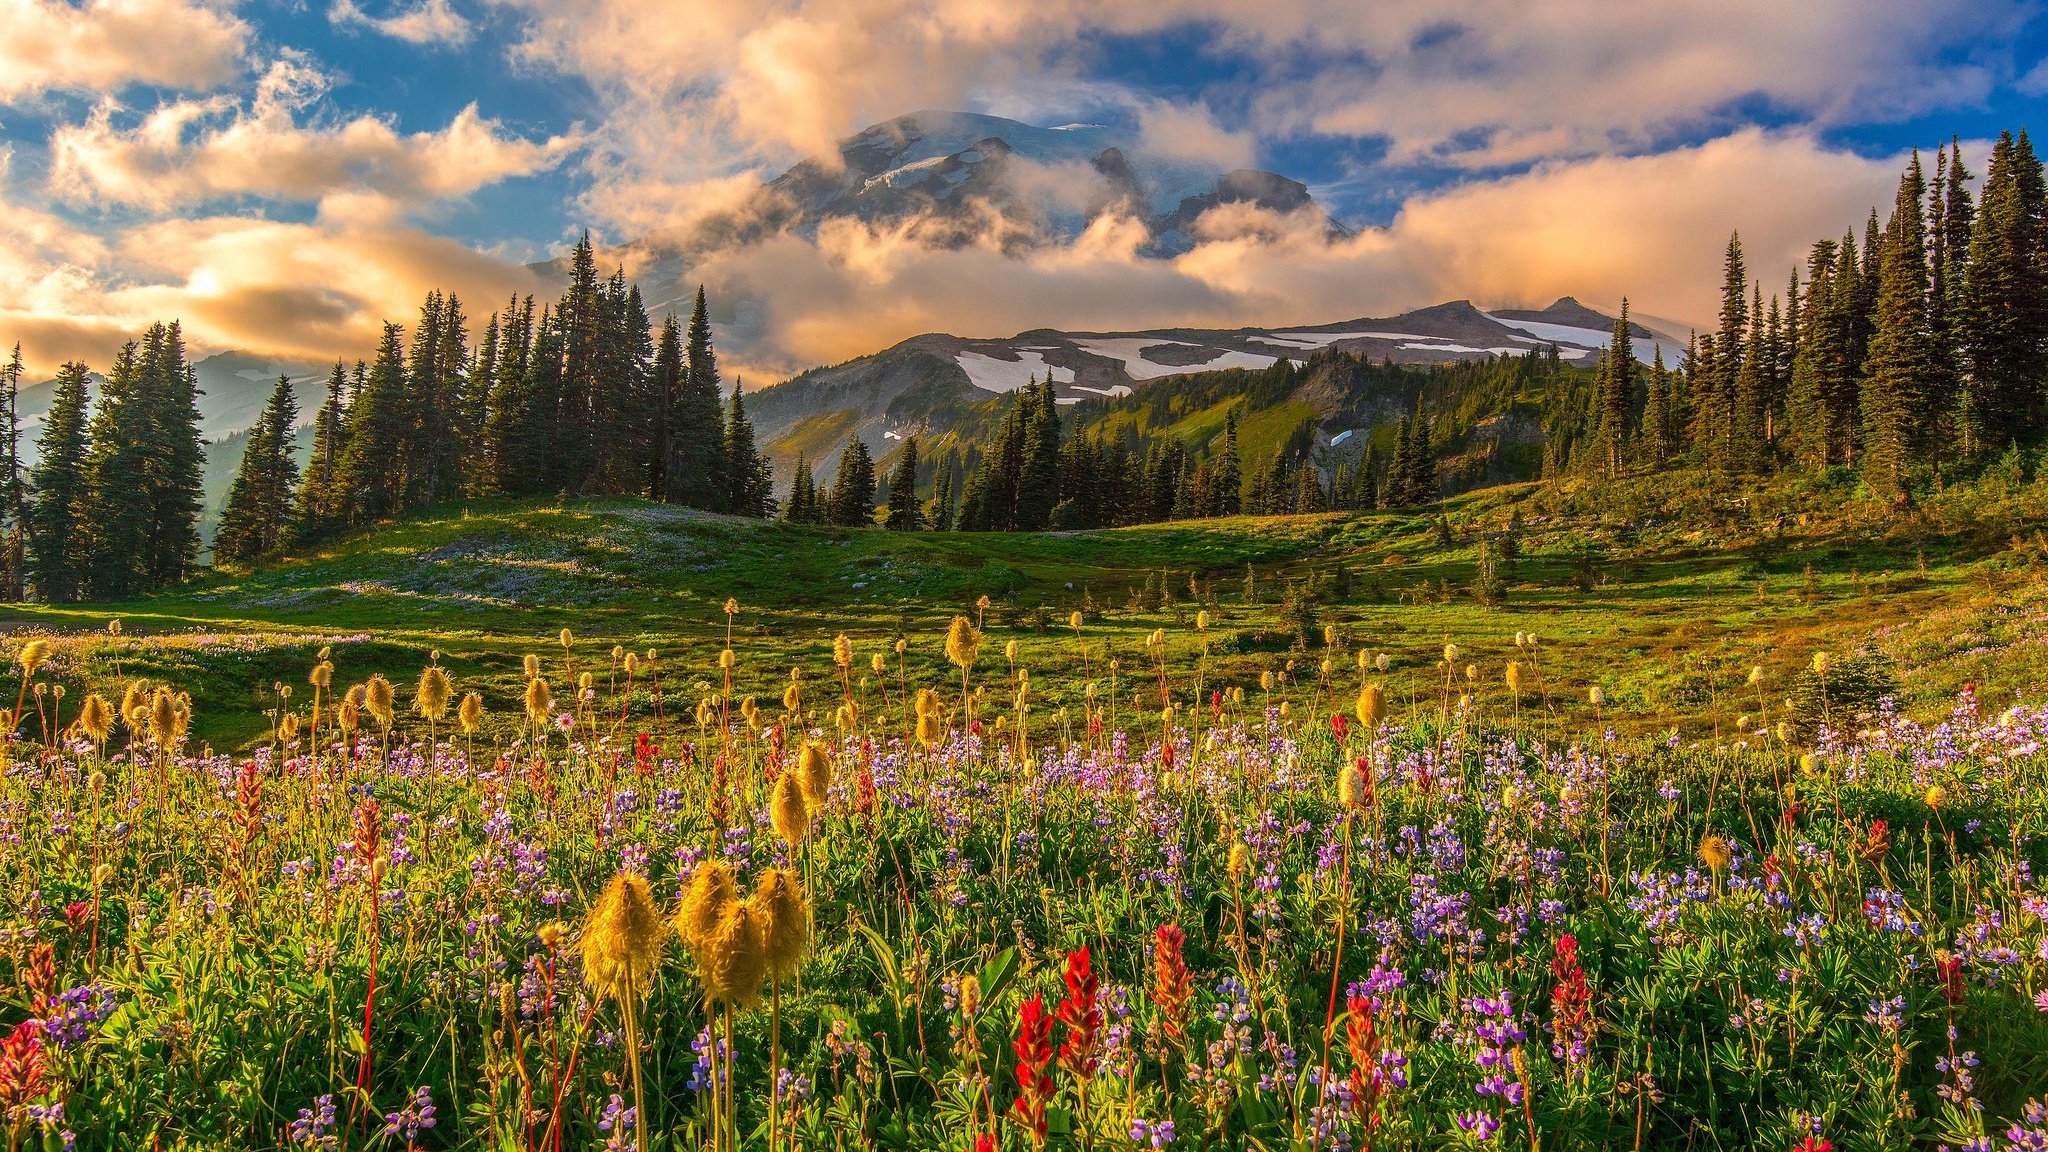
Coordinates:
(524, 826)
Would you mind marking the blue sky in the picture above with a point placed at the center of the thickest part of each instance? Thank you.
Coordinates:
(285, 172)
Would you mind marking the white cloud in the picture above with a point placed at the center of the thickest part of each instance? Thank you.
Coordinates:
(189, 152)
(426, 22)
(107, 45)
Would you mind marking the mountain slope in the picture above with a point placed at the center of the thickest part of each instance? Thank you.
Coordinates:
(939, 385)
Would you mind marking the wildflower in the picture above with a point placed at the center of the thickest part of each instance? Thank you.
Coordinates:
(21, 1066)
(734, 959)
(970, 996)
(842, 651)
(417, 1116)
(785, 922)
(34, 655)
(1937, 797)
(814, 773)
(377, 697)
(431, 698)
(470, 714)
(96, 719)
(1514, 677)
(1372, 707)
(1716, 853)
(711, 891)
(962, 642)
(1033, 1047)
(540, 701)
(1354, 786)
(1570, 1003)
(787, 812)
(622, 937)
(1172, 987)
(1080, 1013)
(1595, 696)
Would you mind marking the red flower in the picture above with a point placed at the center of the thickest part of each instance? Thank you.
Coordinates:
(21, 1065)
(1339, 725)
(1949, 970)
(1080, 1013)
(1172, 988)
(1033, 1047)
(1814, 1144)
(1362, 1041)
(984, 1144)
(1571, 1002)
(644, 752)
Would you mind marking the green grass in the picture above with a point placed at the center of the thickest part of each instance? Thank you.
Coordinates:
(1676, 615)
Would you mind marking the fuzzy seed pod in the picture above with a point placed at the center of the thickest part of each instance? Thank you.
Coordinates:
(322, 675)
(787, 812)
(1382, 662)
(726, 660)
(1514, 677)
(1450, 653)
(1238, 861)
(1266, 680)
(1372, 707)
(632, 663)
(842, 651)
(532, 666)
(567, 638)
(1595, 696)
(792, 697)
(349, 716)
(540, 700)
(878, 665)
(814, 773)
(135, 705)
(734, 958)
(622, 938)
(705, 713)
(1936, 797)
(970, 996)
(963, 642)
(163, 718)
(785, 922)
(431, 698)
(1202, 620)
(96, 719)
(377, 698)
(732, 606)
(470, 714)
(928, 702)
(1822, 664)
(1716, 853)
(1351, 786)
(928, 730)
(712, 889)
(34, 655)
(1074, 620)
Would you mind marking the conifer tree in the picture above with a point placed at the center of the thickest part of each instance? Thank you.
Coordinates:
(853, 491)
(906, 512)
(749, 482)
(1616, 387)
(697, 470)
(2005, 321)
(59, 546)
(173, 458)
(375, 488)
(13, 485)
(259, 501)
(1903, 362)
(1226, 476)
(802, 507)
(320, 504)
(1038, 475)
(666, 385)
(117, 504)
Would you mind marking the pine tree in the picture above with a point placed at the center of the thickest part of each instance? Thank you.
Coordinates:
(1225, 474)
(173, 458)
(13, 487)
(802, 507)
(380, 428)
(1717, 375)
(320, 503)
(259, 503)
(1903, 360)
(59, 546)
(573, 467)
(1616, 386)
(946, 478)
(666, 385)
(906, 512)
(2006, 297)
(853, 491)
(117, 502)
(697, 468)
(750, 484)
(1038, 475)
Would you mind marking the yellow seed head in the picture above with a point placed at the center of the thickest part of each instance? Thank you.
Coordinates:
(1937, 797)
(540, 700)
(377, 698)
(1372, 706)
(1514, 677)
(1450, 653)
(814, 771)
(163, 718)
(632, 663)
(532, 666)
(787, 812)
(1715, 853)
(1351, 786)
(970, 996)
(711, 891)
(785, 922)
(726, 659)
(96, 719)
(792, 697)
(567, 638)
(1202, 620)
(321, 676)
(1822, 664)
(1266, 680)
(877, 664)
(1595, 696)
(928, 730)
(1239, 860)
(622, 938)
(435, 690)
(1010, 652)
(1074, 622)
(735, 958)
(842, 651)
(34, 655)
(470, 714)
(349, 716)
(963, 641)
(732, 606)
(585, 681)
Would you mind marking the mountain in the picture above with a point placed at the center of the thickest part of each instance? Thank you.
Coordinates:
(954, 178)
(936, 383)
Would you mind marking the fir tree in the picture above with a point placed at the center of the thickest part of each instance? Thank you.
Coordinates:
(259, 501)
(2005, 300)
(666, 383)
(1615, 382)
(1226, 476)
(13, 487)
(750, 484)
(380, 428)
(173, 457)
(117, 502)
(906, 513)
(59, 546)
(853, 491)
(699, 457)
(320, 504)
(1038, 476)
(1903, 360)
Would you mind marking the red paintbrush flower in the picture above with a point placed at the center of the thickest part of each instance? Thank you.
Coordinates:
(1080, 1013)
(1571, 1003)
(1949, 970)
(1033, 1047)
(1814, 1144)
(1362, 1042)
(1172, 988)
(21, 1066)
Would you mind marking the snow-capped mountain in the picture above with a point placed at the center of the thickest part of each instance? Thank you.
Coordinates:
(960, 177)
(916, 386)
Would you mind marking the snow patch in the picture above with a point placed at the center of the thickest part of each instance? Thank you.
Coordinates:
(1448, 347)
(992, 375)
(1114, 391)
(1644, 347)
(1341, 437)
(1128, 350)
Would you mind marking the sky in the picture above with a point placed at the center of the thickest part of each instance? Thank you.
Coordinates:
(284, 175)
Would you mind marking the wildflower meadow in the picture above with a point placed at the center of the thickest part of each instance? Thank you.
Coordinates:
(1357, 903)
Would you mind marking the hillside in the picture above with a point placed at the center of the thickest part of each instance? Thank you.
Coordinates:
(939, 386)
(1659, 591)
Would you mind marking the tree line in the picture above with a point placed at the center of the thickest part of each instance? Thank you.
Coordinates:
(583, 397)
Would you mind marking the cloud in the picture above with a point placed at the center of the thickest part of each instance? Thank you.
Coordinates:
(426, 22)
(107, 45)
(189, 152)
(1648, 227)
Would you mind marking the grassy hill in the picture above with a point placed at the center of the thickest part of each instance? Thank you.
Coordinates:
(1663, 593)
